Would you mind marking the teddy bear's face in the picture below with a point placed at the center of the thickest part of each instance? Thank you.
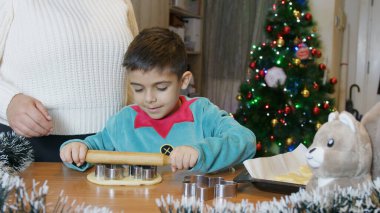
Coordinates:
(337, 150)
(331, 152)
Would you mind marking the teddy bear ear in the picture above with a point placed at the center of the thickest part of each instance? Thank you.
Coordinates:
(332, 116)
(347, 119)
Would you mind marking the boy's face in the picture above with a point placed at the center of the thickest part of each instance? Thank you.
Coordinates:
(157, 93)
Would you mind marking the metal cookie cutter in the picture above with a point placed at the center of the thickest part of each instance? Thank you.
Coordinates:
(207, 188)
(118, 172)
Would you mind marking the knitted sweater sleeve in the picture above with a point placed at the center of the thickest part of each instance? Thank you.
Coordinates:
(7, 91)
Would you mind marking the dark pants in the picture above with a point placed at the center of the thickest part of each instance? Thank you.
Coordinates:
(46, 148)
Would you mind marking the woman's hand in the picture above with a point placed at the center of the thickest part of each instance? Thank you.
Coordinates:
(28, 117)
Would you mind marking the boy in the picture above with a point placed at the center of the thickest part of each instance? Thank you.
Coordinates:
(202, 137)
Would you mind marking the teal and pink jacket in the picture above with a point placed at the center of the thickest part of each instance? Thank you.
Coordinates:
(220, 140)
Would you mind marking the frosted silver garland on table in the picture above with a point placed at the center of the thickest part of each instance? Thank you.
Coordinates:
(14, 197)
(16, 154)
(365, 198)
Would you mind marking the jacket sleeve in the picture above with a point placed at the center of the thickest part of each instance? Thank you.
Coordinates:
(226, 143)
(7, 90)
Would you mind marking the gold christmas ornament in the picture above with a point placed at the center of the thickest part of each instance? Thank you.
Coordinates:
(280, 42)
(296, 61)
(297, 40)
(238, 97)
(318, 125)
(305, 93)
(289, 141)
(296, 13)
(274, 122)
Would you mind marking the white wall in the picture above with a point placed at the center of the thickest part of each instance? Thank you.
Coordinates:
(359, 50)
(323, 15)
(354, 50)
(350, 46)
(329, 17)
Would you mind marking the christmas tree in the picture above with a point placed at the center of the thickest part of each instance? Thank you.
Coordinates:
(285, 98)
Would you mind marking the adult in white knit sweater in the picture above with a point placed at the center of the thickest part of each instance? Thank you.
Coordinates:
(60, 68)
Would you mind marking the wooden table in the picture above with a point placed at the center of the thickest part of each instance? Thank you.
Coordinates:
(124, 198)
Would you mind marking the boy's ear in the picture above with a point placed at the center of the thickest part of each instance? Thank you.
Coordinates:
(185, 79)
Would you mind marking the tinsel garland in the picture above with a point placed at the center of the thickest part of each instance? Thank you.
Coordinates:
(365, 198)
(14, 197)
(16, 153)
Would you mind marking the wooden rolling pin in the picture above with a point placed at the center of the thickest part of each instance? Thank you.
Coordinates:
(131, 158)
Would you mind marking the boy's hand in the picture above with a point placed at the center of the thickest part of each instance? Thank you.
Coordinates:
(74, 152)
(183, 157)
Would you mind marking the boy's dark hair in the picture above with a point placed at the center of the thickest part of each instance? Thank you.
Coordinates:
(156, 48)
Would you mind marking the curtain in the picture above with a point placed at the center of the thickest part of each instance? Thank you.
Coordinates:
(230, 28)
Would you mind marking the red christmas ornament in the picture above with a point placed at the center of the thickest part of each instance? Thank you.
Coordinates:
(314, 51)
(280, 111)
(249, 95)
(271, 138)
(266, 106)
(286, 30)
(261, 73)
(326, 105)
(333, 80)
(318, 54)
(257, 77)
(287, 109)
(316, 110)
(258, 146)
(273, 44)
(274, 7)
(308, 17)
(252, 65)
(245, 120)
(322, 66)
(315, 86)
(269, 28)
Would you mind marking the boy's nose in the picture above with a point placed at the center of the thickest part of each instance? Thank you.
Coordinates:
(150, 97)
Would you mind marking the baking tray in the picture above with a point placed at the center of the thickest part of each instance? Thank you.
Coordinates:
(268, 185)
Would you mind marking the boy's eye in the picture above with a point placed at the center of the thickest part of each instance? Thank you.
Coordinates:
(162, 88)
(138, 89)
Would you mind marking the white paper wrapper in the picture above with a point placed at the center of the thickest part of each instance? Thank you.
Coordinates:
(270, 167)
